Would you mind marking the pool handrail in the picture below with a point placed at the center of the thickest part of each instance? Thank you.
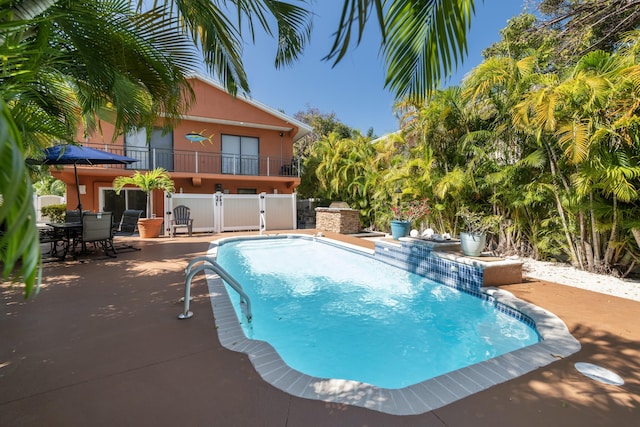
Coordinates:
(211, 264)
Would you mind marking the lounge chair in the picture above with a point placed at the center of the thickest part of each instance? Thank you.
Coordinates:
(128, 226)
(181, 218)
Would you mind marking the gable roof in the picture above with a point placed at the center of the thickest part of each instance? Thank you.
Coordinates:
(303, 128)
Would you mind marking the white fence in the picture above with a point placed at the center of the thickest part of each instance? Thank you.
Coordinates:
(236, 212)
(40, 202)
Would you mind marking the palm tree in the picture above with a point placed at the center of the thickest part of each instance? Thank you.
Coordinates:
(65, 63)
(156, 179)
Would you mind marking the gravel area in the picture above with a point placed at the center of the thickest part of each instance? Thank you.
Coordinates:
(570, 276)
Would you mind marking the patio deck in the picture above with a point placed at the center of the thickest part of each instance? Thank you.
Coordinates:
(101, 345)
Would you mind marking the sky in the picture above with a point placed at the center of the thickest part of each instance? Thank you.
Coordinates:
(353, 89)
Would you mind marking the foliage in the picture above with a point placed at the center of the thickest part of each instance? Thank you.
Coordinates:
(156, 179)
(543, 149)
(55, 213)
(19, 243)
(322, 124)
(415, 210)
(48, 185)
(423, 41)
(476, 222)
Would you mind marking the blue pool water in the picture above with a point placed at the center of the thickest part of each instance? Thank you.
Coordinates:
(334, 313)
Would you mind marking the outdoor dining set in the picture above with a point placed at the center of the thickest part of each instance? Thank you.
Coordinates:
(81, 228)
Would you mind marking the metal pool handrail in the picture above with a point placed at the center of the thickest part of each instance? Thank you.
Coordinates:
(210, 264)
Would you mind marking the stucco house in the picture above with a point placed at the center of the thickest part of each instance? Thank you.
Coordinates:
(249, 151)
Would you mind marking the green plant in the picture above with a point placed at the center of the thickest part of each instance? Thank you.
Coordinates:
(55, 213)
(477, 222)
(412, 211)
(156, 179)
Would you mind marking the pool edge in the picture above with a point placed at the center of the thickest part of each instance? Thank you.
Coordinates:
(557, 343)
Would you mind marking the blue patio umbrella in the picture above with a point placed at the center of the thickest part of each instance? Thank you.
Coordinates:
(77, 155)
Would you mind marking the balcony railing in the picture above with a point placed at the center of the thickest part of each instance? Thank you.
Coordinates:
(203, 161)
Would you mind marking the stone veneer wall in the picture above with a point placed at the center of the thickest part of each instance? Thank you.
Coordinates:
(338, 220)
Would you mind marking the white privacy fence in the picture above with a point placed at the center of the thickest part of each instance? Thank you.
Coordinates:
(235, 212)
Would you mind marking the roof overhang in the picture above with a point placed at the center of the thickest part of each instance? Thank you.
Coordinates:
(303, 128)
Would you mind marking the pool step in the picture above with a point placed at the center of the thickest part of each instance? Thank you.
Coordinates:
(445, 263)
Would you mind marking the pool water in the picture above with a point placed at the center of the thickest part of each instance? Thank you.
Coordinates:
(334, 313)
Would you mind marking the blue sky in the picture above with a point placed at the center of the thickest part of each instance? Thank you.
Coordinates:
(354, 89)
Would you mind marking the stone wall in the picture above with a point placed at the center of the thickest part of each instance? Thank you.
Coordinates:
(338, 220)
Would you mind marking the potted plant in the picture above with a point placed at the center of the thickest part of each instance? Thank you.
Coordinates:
(156, 179)
(474, 239)
(403, 217)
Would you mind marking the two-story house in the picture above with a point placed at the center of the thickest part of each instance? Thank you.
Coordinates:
(249, 150)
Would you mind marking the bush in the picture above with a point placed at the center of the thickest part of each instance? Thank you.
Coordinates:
(55, 213)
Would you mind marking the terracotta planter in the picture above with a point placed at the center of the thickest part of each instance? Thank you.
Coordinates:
(150, 227)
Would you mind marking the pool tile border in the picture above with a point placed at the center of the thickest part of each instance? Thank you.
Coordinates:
(556, 342)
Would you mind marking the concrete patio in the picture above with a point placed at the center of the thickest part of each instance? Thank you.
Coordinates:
(101, 345)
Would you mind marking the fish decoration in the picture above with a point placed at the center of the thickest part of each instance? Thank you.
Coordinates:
(199, 137)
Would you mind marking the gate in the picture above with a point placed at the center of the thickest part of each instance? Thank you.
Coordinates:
(236, 212)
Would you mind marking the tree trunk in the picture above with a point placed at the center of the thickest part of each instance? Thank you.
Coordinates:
(565, 227)
(595, 236)
(584, 243)
(608, 255)
(636, 235)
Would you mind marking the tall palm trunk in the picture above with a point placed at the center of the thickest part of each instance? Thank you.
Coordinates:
(595, 235)
(563, 218)
(587, 249)
(608, 255)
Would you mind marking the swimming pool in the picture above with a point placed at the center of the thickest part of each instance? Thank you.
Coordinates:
(416, 359)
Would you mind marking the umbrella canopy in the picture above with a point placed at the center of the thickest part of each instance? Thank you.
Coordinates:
(77, 155)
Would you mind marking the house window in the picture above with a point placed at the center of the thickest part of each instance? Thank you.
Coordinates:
(129, 198)
(157, 153)
(240, 155)
(247, 191)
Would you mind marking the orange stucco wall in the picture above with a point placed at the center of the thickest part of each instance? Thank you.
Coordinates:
(210, 102)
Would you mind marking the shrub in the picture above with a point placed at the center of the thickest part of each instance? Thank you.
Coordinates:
(55, 213)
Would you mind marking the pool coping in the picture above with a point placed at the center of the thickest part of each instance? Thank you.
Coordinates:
(556, 343)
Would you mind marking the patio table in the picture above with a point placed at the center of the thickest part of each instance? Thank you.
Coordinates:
(65, 233)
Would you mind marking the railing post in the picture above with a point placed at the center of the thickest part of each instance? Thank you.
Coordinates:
(262, 207)
(268, 166)
(196, 162)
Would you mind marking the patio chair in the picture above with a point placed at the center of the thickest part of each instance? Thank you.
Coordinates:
(73, 216)
(128, 226)
(97, 229)
(181, 218)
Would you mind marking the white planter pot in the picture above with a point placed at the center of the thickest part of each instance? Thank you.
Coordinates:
(472, 244)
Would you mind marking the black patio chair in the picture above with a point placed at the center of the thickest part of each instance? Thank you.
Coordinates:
(128, 226)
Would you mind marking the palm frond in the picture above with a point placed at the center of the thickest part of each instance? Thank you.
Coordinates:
(19, 243)
(426, 40)
(574, 138)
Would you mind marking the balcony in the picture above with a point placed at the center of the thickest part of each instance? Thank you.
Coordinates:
(204, 162)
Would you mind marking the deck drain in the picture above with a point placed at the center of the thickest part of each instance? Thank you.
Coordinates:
(599, 373)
